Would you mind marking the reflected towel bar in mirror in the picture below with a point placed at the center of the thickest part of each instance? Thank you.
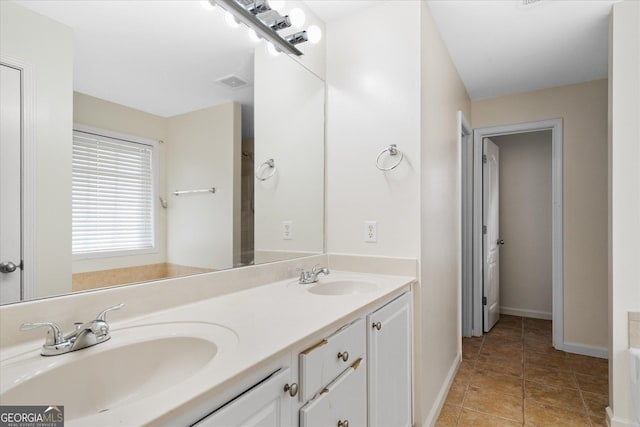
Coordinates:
(205, 190)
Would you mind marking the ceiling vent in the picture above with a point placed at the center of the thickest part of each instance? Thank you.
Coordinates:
(232, 81)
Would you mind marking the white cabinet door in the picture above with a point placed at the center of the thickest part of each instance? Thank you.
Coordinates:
(265, 405)
(389, 351)
(343, 403)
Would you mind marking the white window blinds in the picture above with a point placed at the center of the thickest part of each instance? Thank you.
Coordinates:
(112, 195)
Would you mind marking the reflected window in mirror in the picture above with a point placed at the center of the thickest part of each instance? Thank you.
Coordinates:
(113, 193)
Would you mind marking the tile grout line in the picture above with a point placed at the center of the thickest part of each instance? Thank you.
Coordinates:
(584, 404)
(473, 371)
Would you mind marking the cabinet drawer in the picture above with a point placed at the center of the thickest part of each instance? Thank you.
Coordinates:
(344, 400)
(320, 364)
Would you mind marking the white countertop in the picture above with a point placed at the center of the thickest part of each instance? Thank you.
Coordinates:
(266, 321)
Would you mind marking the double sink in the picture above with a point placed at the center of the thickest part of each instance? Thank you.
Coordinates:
(138, 362)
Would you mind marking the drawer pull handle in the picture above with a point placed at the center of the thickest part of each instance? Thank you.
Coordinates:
(377, 325)
(344, 356)
(292, 389)
(344, 423)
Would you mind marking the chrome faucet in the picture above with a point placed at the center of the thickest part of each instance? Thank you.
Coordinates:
(85, 334)
(307, 277)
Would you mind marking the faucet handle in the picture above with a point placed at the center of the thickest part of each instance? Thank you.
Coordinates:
(54, 334)
(103, 314)
(317, 269)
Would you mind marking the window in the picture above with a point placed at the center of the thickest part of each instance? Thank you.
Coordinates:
(112, 197)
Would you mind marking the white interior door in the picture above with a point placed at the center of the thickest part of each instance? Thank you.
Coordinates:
(491, 238)
(10, 185)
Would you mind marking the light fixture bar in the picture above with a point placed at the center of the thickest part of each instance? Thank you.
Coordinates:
(252, 21)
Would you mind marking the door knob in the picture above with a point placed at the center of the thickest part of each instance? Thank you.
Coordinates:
(344, 356)
(291, 389)
(501, 242)
(7, 267)
(377, 325)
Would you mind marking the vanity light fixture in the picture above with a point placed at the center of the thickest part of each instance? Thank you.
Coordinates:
(297, 38)
(258, 16)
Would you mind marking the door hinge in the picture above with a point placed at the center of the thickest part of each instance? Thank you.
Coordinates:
(484, 158)
(484, 229)
(484, 300)
(21, 266)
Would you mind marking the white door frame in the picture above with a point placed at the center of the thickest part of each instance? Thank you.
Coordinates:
(465, 197)
(555, 126)
(28, 168)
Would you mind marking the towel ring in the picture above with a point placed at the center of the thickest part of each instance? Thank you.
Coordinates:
(271, 164)
(393, 151)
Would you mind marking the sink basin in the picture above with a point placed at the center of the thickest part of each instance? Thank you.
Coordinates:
(135, 363)
(343, 287)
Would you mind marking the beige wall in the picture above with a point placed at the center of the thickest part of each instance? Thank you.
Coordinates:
(583, 108)
(105, 115)
(50, 57)
(442, 95)
(624, 200)
(525, 224)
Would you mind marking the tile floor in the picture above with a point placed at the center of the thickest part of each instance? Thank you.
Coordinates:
(512, 376)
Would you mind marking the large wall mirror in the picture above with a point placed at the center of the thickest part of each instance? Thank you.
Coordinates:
(155, 141)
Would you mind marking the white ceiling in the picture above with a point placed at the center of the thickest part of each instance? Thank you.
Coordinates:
(334, 10)
(164, 57)
(501, 47)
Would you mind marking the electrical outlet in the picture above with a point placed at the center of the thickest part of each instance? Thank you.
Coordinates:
(287, 230)
(370, 231)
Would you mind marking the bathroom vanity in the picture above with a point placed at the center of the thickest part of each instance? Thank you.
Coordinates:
(360, 372)
(336, 352)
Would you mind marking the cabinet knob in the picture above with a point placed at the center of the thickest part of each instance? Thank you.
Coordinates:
(344, 356)
(344, 423)
(377, 325)
(292, 389)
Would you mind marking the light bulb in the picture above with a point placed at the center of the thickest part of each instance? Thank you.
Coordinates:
(206, 5)
(276, 4)
(297, 17)
(272, 49)
(231, 20)
(253, 36)
(314, 33)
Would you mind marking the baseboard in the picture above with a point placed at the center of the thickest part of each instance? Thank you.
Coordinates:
(535, 314)
(585, 350)
(433, 414)
(618, 422)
